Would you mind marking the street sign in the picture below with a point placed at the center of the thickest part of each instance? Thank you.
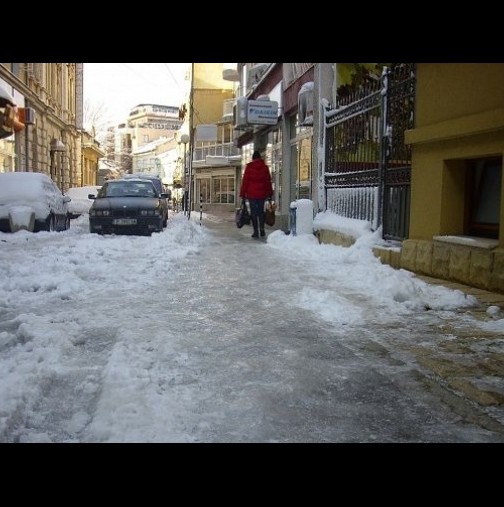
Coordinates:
(262, 112)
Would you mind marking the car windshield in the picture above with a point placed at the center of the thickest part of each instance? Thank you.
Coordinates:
(128, 189)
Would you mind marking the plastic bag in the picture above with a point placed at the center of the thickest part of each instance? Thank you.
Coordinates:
(242, 215)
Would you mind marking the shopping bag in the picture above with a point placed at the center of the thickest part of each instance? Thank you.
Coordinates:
(242, 215)
(269, 214)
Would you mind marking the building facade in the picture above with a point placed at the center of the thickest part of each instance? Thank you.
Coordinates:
(91, 153)
(415, 149)
(51, 142)
(457, 196)
(149, 122)
(146, 123)
(286, 143)
(213, 162)
(157, 158)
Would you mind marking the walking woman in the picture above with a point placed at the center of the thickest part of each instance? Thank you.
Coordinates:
(256, 187)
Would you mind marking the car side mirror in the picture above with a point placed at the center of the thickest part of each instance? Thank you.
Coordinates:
(91, 196)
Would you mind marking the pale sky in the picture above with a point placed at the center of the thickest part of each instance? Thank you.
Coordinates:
(178, 337)
(121, 86)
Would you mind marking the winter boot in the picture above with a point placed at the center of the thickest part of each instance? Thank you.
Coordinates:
(253, 219)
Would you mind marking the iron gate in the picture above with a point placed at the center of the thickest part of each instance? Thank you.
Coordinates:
(367, 165)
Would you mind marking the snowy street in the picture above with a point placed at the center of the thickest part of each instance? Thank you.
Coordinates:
(202, 334)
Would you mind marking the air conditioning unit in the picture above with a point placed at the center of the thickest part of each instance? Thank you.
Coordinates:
(305, 104)
(240, 113)
(27, 115)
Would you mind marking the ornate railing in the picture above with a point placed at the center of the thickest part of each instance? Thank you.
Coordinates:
(367, 165)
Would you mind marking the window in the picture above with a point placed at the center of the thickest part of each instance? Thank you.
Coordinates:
(483, 191)
(274, 161)
(223, 189)
(300, 159)
(203, 190)
(304, 168)
(7, 144)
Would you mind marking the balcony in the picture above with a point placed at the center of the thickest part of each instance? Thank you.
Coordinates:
(216, 154)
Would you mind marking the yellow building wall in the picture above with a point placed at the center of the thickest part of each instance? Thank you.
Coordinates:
(459, 116)
(208, 105)
(451, 90)
(210, 92)
(438, 183)
(209, 76)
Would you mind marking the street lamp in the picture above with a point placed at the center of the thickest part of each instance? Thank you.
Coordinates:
(56, 147)
(184, 139)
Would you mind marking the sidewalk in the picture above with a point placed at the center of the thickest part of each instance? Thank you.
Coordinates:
(486, 298)
(467, 365)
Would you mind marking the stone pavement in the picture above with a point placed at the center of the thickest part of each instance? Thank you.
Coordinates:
(471, 365)
(467, 368)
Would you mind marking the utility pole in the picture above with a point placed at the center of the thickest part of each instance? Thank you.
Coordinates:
(191, 141)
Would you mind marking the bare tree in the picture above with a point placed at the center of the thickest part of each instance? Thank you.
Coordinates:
(96, 118)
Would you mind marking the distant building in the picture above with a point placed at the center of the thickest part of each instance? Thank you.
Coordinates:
(146, 123)
(158, 157)
(149, 122)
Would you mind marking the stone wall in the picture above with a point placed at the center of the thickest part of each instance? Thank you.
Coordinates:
(477, 266)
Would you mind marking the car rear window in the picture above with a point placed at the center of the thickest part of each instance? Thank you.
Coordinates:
(135, 188)
(154, 179)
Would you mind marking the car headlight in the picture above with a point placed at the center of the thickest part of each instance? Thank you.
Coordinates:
(99, 213)
(149, 212)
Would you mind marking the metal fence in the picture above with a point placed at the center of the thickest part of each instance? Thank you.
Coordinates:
(368, 167)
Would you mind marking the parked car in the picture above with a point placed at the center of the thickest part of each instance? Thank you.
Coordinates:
(33, 202)
(156, 180)
(80, 202)
(127, 206)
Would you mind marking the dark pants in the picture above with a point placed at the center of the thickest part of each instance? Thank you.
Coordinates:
(257, 214)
